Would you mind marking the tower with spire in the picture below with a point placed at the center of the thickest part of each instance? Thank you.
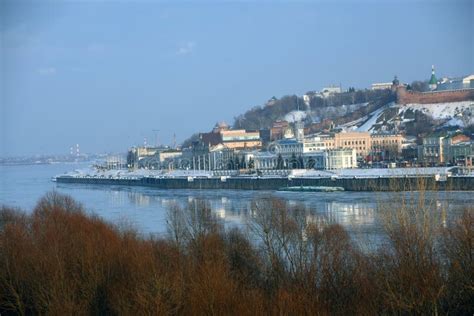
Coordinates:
(299, 125)
(433, 84)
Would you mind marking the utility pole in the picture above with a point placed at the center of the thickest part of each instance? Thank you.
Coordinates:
(156, 135)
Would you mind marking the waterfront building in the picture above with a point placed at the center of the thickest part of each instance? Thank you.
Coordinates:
(162, 158)
(169, 154)
(364, 143)
(136, 154)
(287, 147)
(333, 159)
(143, 151)
(241, 139)
(462, 153)
(238, 139)
(431, 150)
(345, 158)
(319, 142)
(436, 148)
(202, 156)
(389, 144)
(114, 162)
(360, 141)
(263, 160)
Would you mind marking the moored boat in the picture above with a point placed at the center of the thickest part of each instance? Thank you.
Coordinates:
(311, 189)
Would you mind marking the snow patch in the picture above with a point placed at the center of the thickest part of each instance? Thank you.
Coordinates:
(441, 111)
(369, 124)
(295, 116)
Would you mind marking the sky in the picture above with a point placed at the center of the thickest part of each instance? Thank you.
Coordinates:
(107, 74)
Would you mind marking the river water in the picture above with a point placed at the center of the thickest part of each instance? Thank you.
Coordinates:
(145, 208)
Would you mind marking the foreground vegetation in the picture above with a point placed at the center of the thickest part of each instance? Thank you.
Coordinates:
(59, 260)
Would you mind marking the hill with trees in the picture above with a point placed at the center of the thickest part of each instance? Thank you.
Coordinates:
(336, 106)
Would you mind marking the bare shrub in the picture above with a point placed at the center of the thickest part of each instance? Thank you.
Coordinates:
(409, 268)
(60, 260)
(458, 249)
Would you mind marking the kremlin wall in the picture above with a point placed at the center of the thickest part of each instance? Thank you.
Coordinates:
(406, 97)
(458, 94)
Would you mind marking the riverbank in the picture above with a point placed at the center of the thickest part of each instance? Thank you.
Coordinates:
(60, 260)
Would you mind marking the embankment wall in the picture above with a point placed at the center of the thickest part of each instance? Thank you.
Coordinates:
(349, 184)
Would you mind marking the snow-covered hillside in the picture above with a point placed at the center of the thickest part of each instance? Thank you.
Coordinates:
(393, 116)
(456, 113)
(372, 119)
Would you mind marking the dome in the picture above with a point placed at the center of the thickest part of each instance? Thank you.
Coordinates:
(220, 126)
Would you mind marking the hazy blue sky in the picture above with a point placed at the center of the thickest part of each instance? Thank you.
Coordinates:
(105, 74)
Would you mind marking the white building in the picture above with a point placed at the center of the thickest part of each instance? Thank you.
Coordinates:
(381, 85)
(344, 158)
(468, 81)
(313, 144)
(332, 89)
(329, 160)
(287, 147)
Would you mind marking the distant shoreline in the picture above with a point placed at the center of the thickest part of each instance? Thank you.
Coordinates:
(28, 163)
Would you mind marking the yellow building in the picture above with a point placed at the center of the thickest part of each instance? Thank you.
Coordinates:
(391, 142)
(362, 142)
(241, 139)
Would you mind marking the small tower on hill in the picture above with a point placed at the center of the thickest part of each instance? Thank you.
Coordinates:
(433, 84)
(395, 84)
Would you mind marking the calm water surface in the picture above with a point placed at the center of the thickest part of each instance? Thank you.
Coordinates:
(145, 208)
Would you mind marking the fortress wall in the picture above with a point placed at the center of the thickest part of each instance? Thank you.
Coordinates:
(406, 97)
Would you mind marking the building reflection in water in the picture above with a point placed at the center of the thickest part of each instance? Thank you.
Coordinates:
(139, 199)
(117, 197)
(238, 209)
(354, 210)
(350, 214)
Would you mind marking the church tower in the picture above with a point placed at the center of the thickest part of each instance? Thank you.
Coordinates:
(433, 84)
(395, 84)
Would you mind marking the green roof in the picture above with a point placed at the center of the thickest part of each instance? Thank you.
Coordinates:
(433, 79)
